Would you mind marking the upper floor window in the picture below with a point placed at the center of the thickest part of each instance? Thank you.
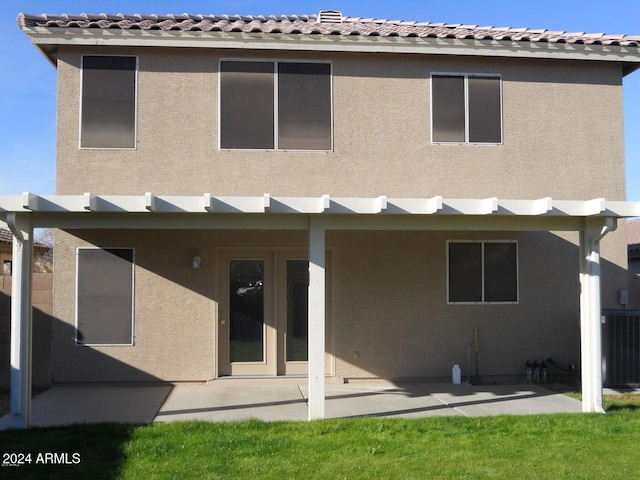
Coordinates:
(466, 108)
(482, 272)
(108, 102)
(267, 105)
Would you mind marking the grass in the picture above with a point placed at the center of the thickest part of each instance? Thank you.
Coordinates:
(562, 446)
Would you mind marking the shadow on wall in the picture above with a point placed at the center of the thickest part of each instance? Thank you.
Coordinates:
(173, 322)
(545, 323)
(42, 325)
(405, 287)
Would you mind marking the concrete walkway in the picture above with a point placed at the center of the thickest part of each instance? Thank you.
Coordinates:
(275, 399)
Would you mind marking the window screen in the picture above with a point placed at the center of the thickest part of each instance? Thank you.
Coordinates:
(465, 272)
(500, 272)
(484, 110)
(104, 296)
(246, 105)
(483, 272)
(254, 116)
(466, 109)
(448, 109)
(108, 102)
(304, 106)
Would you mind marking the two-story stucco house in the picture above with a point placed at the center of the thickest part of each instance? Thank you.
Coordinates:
(330, 196)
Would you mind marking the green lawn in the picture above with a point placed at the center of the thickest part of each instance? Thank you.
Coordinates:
(571, 446)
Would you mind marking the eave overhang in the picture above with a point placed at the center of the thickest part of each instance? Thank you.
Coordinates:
(49, 39)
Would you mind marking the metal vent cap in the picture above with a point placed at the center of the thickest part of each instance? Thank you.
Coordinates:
(330, 16)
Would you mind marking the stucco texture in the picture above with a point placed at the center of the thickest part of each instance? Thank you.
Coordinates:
(387, 304)
(562, 131)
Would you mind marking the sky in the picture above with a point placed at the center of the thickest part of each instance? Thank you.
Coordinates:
(28, 80)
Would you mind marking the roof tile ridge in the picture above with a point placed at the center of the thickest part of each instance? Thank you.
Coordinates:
(237, 25)
(272, 26)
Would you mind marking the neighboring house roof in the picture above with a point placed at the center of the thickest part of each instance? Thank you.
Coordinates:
(633, 238)
(7, 237)
(356, 32)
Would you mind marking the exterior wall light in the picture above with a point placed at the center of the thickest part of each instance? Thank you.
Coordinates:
(195, 263)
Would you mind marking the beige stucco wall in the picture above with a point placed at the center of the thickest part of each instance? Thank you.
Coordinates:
(395, 320)
(562, 138)
(173, 315)
(388, 306)
(562, 133)
(42, 298)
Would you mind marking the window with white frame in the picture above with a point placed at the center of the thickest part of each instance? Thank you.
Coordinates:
(482, 271)
(267, 105)
(466, 108)
(108, 102)
(104, 296)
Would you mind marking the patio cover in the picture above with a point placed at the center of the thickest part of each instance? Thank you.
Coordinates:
(593, 219)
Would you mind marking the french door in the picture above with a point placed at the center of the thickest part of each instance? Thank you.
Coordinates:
(263, 313)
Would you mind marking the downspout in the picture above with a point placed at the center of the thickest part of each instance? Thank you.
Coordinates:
(12, 224)
(610, 225)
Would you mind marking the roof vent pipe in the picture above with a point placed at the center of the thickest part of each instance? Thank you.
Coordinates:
(330, 16)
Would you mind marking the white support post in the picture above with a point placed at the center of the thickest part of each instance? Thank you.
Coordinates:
(316, 316)
(21, 319)
(591, 312)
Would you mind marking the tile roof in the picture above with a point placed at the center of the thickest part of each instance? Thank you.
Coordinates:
(7, 237)
(309, 25)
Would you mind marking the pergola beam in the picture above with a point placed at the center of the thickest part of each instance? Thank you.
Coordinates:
(149, 203)
(279, 221)
(592, 218)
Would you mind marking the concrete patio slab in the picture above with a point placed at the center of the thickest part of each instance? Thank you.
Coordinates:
(380, 399)
(228, 402)
(73, 404)
(284, 399)
(479, 400)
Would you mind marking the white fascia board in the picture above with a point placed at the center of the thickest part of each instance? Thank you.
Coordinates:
(276, 221)
(331, 43)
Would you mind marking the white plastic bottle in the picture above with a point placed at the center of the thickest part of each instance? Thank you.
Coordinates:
(456, 374)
